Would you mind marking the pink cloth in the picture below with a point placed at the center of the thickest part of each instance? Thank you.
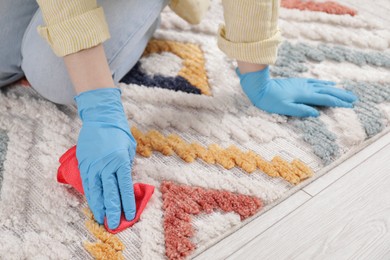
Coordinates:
(68, 173)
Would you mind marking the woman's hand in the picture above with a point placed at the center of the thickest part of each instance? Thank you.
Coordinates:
(105, 152)
(292, 96)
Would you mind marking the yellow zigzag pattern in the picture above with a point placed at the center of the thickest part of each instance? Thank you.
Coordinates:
(293, 172)
(108, 246)
(193, 61)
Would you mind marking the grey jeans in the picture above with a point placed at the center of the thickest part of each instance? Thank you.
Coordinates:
(24, 53)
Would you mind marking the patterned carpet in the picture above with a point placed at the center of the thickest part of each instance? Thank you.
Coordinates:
(215, 160)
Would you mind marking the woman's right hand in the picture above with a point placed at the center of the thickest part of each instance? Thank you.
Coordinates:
(105, 152)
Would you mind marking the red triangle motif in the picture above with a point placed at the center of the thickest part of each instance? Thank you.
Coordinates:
(182, 201)
(329, 7)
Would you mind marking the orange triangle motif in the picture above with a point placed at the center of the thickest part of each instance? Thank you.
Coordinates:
(182, 201)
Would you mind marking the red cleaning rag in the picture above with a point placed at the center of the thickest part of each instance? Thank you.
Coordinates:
(69, 173)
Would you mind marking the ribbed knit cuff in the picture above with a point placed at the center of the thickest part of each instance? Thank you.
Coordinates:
(77, 33)
(251, 32)
(261, 52)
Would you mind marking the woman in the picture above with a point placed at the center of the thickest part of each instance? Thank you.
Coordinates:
(86, 47)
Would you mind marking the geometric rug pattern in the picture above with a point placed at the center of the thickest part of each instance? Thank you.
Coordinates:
(185, 91)
(191, 78)
(180, 202)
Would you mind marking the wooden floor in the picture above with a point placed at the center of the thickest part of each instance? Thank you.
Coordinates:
(345, 214)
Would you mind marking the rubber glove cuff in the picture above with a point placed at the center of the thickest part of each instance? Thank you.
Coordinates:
(254, 92)
(101, 105)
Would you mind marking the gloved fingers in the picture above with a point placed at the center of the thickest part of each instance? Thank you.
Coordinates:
(327, 100)
(338, 93)
(322, 82)
(299, 110)
(126, 190)
(112, 201)
(95, 201)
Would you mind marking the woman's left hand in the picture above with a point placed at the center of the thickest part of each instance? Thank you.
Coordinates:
(292, 96)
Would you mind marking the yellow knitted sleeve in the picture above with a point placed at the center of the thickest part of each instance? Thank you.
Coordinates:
(72, 25)
(190, 10)
(251, 33)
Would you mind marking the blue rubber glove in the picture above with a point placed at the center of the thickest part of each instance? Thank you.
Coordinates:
(292, 96)
(105, 152)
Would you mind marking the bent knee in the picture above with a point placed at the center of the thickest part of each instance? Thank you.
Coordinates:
(48, 78)
(54, 92)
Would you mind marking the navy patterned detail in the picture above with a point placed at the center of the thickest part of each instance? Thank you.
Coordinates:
(178, 83)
